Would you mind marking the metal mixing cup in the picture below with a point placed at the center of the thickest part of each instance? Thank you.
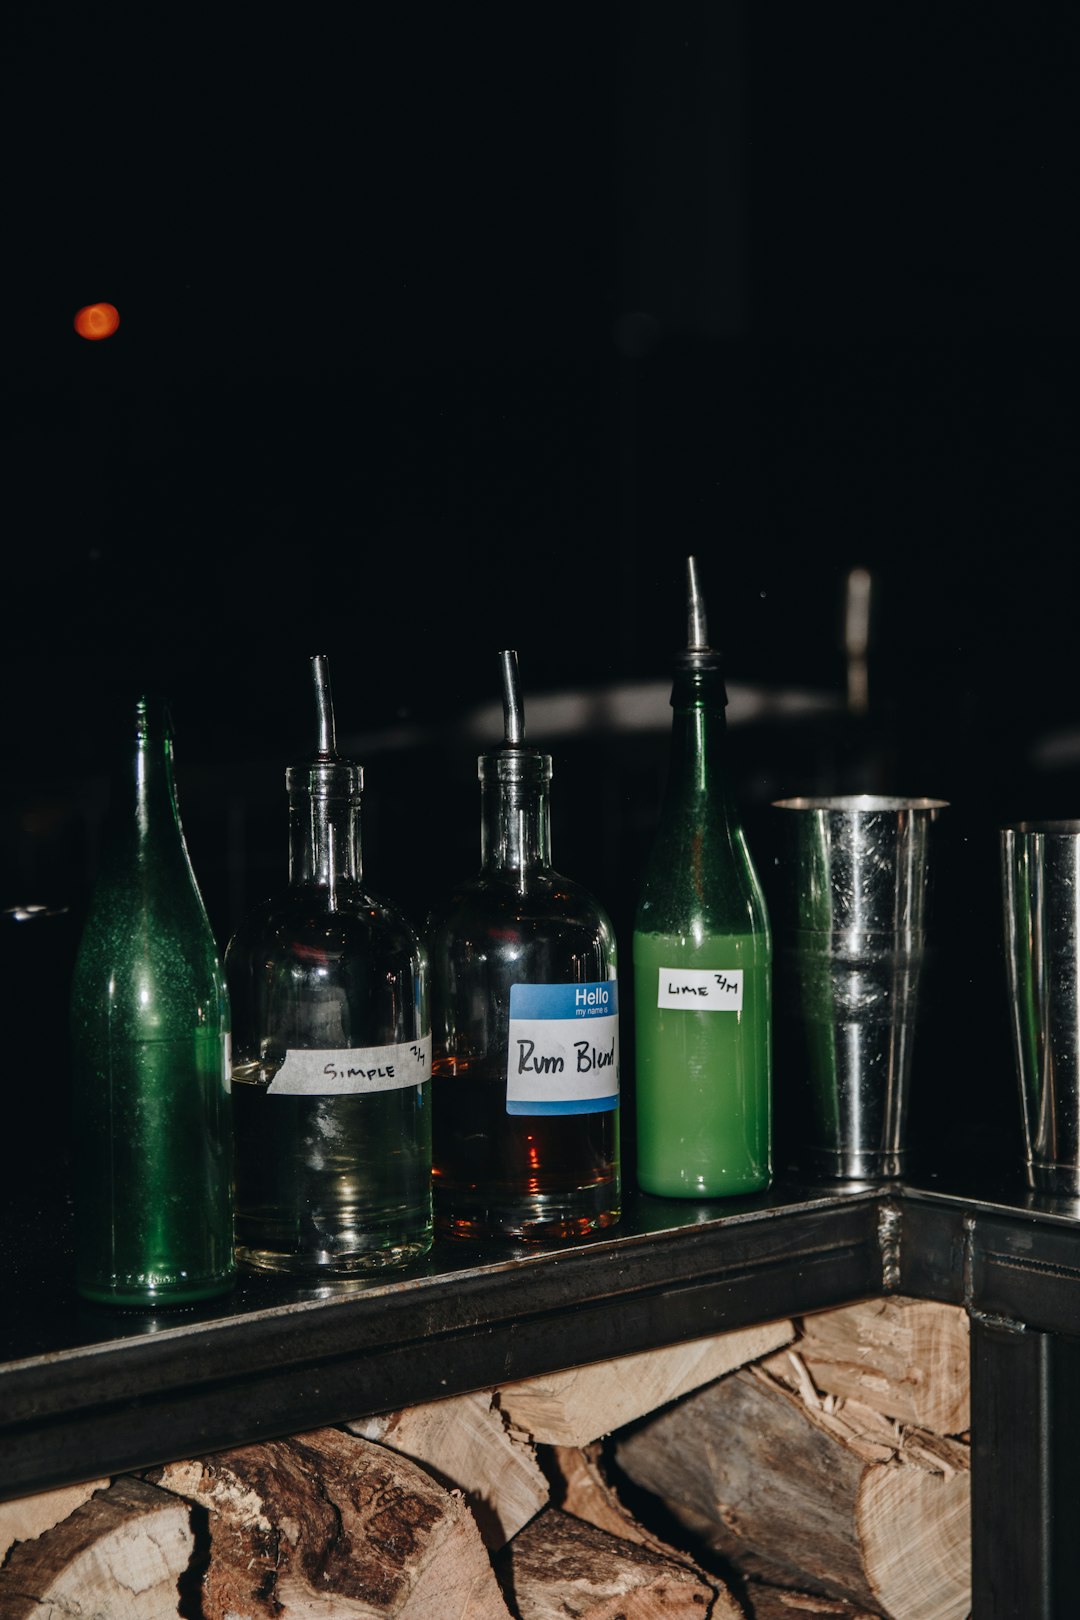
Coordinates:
(850, 918)
(1040, 872)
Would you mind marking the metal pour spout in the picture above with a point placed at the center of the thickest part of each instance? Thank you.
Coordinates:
(698, 654)
(324, 704)
(513, 709)
(697, 636)
(324, 772)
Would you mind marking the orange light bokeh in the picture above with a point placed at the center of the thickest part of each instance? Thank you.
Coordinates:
(97, 321)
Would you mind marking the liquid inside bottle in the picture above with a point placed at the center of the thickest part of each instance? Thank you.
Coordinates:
(702, 964)
(331, 1084)
(703, 1099)
(525, 999)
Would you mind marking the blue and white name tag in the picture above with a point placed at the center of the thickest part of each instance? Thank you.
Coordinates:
(563, 1055)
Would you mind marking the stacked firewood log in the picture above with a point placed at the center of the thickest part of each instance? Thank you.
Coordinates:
(802, 1469)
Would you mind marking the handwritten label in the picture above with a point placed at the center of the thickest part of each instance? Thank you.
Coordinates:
(701, 989)
(352, 1071)
(563, 1053)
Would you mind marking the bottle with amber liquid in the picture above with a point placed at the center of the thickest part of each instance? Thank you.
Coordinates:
(525, 1023)
(331, 1078)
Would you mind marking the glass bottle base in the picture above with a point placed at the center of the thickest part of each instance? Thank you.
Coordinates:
(132, 1295)
(360, 1263)
(541, 1218)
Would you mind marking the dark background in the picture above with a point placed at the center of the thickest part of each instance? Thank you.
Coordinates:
(450, 328)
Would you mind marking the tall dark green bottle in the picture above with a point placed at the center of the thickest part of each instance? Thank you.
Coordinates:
(702, 962)
(150, 1055)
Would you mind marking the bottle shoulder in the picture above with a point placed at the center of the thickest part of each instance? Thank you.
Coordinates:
(176, 966)
(489, 936)
(701, 876)
(149, 983)
(489, 900)
(302, 974)
(302, 916)
(131, 923)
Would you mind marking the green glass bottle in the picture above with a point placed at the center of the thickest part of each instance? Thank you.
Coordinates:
(150, 1056)
(702, 963)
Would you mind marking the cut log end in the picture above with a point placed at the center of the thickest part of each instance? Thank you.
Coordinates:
(28, 1517)
(797, 1497)
(467, 1445)
(329, 1515)
(122, 1554)
(907, 1358)
(559, 1566)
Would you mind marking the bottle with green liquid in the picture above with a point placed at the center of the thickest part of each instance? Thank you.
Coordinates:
(702, 962)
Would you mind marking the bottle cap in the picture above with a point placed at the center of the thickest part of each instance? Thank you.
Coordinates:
(513, 761)
(325, 775)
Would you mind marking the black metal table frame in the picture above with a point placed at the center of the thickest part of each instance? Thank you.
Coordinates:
(271, 1361)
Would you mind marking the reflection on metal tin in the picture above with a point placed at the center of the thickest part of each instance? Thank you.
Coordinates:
(851, 929)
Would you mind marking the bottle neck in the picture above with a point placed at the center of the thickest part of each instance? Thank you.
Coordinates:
(143, 808)
(699, 880)
(698, 765)
(142, 832)
(155, 790)
(324, 841)
(515, 821)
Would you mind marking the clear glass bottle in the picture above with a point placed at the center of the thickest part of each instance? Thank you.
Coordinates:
(702, 963)
(150, 1055)
(331, 1079)
(525, 1023)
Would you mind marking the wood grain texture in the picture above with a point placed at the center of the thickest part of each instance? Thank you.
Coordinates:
(118, 1555)
(795, 1496)
(467, 1444)
(560, 1567)
(585, 1492)
(917, 1543)
(574, 1407)
(27, 1517)
(327, 1524)
(908, 1358)
(774, 1603)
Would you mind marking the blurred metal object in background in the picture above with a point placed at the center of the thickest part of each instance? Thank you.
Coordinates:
(645, 707)
(857, 595)
(1040, 873)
